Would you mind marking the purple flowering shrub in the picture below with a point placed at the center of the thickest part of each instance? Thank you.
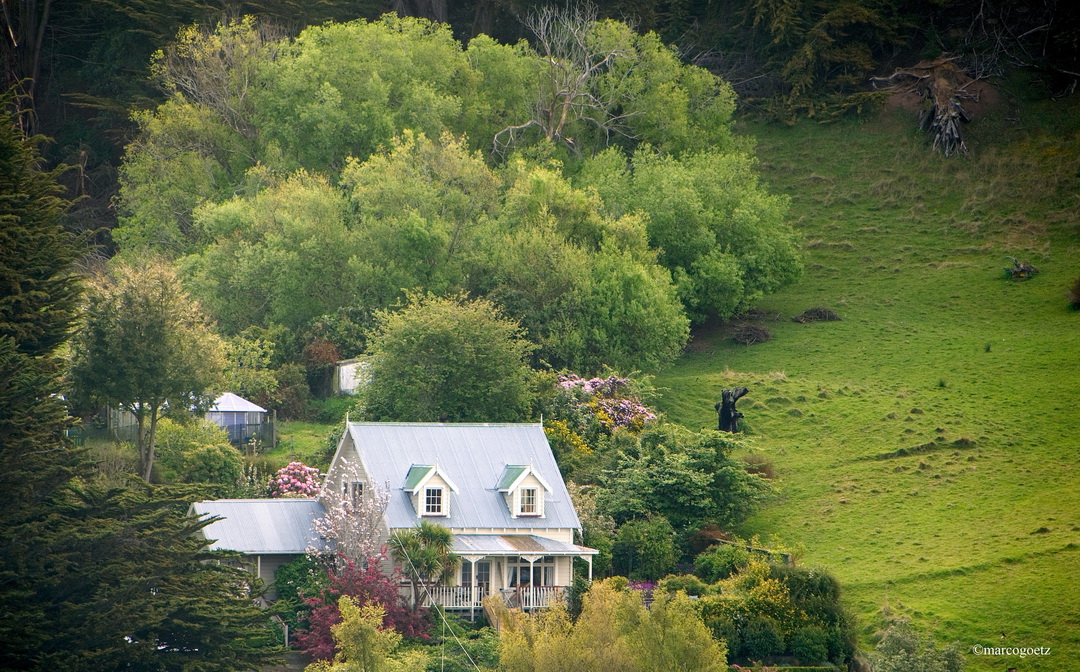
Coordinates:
(295, 480)
(611, 401)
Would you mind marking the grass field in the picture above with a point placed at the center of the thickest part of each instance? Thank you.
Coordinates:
(926, 445)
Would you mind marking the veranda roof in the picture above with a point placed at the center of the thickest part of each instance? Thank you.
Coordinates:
(512, 545)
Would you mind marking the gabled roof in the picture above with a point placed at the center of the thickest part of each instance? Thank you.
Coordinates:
(262, 526)
(231, 403)
(515, 474)
(475, 457)
(420, 474)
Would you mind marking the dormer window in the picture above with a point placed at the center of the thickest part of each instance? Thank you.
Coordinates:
(433, 501)
(429, 488)
(523, 488)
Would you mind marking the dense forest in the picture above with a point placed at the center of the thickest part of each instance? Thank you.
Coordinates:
(83, 67)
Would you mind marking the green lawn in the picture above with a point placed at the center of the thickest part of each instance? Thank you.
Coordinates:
(973, 528)
(302, 441)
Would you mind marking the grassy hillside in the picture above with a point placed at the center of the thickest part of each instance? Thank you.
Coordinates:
(926, 445)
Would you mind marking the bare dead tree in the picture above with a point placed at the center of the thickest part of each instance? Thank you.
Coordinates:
(572, 63)
(728, 420)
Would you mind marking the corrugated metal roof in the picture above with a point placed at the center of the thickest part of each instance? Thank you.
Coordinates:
(231, 403)
(262, 526)
(475, 457)
(530, 544)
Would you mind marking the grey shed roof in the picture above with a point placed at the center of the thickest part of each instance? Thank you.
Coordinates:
(232, 403)
(262, 526)
(474, 457)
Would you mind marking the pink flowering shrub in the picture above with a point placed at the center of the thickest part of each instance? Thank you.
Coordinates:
(295, 480)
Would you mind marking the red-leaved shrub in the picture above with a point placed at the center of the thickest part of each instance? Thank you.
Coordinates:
(367, 584)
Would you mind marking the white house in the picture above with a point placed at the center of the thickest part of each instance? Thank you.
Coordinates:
(496, 487)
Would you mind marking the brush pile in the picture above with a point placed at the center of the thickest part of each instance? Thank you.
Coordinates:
(816, 315)
(749, 334)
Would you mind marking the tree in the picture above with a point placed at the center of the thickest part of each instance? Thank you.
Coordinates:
(283, 255)
(687, 477)
(722, 237)
(365, 583)
(353, 522)
(91, 577)
(614, 632)
(423, 553)
(600, 82)
(39, 294)
(463, 361)
(645, 549)
(38, 289)
(146, 346)
(901, 647)
(197, 451)
(365, 645)
(118, 578)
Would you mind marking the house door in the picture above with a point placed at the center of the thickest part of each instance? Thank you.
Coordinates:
(543, 572)
(483, 575)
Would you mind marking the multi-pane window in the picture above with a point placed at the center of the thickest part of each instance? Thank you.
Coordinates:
(433, 501)
(543, 572)
(352, 492)
(483, 573)
(528, 502)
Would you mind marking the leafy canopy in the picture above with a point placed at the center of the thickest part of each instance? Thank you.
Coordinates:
(448, 358)
(146, 346)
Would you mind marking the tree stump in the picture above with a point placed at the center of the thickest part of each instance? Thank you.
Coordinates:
(1020, 271)
(729, 417)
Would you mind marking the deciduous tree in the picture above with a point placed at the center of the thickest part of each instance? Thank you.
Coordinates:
(461, 358)
(146, 346)
(614, 632)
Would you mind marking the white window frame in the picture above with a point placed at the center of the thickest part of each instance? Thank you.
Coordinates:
(352, 492)
(534, 508)
(436, 492)
(483, 573)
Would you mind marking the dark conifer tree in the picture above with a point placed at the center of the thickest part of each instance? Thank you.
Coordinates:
(91, 577)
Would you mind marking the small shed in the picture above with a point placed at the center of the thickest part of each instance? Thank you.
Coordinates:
(242, 419)
(350, 375)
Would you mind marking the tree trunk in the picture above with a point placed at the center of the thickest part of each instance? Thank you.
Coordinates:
(729, 417)
(148, 470)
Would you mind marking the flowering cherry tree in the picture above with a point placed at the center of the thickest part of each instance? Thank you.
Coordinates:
(353, 520)
(295, 480)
